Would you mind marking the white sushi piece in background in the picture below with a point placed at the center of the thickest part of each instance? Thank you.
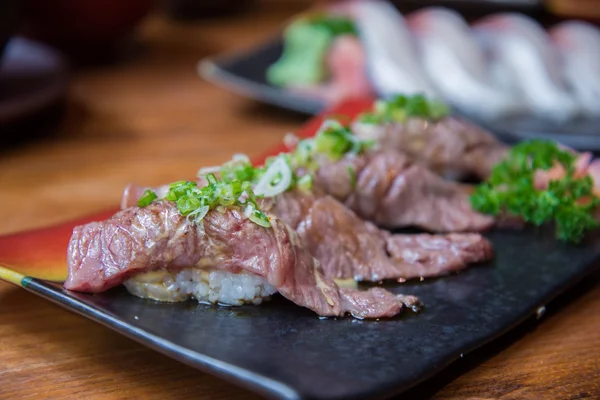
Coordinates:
(204, 285)
(393, 63)
(579, 46)
(524, 60)
(456, 64)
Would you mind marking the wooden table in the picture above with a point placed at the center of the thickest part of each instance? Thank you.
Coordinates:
(152, 120)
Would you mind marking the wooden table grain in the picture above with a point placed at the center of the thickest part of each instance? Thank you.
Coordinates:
(150, 120)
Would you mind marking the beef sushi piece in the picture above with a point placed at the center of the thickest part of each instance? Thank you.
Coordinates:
(524, 62)
(577, 43)
(423, 129)
(158, 253)
(451, 146)
(444, 38)
(392, 61)
(388, 189)
(348, 247)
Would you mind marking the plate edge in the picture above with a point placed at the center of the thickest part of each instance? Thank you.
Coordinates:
(239, 376)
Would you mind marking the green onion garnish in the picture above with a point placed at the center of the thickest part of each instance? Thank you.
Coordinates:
(194, 202)
(240, 183)
(279, 173)
(336, 140)
(259, 218)
(352, 173)
(401, 107)
(305, 182)
(148, 197)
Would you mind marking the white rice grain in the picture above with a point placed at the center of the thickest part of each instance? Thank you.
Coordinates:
(204, 285)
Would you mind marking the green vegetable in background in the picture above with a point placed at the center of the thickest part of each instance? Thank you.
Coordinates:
(568, 201)
(306, 42)
(401, 107)
(333, 140)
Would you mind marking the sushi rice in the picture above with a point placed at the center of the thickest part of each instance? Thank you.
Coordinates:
(204, 285)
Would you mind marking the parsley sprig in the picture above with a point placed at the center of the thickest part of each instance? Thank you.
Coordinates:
(568, 201)
(401, 107)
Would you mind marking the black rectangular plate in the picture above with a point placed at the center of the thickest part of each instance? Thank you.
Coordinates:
(283, 351)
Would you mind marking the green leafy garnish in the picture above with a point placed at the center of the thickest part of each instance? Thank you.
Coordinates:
(305, 182)
(238, 169)
(568, 201)
(148, 197)
(306, 42)
(336, 140)
(281, 172)
(194, 202)
(401, 107)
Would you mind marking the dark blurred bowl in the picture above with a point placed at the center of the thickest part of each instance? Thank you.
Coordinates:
(196, 9)
(83, 25)
(9, 13)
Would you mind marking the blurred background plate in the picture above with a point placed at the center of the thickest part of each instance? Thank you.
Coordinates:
(245, 74)
(33, 77)
(477, 8)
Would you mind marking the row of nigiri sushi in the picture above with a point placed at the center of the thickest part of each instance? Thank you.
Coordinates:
(505, 64)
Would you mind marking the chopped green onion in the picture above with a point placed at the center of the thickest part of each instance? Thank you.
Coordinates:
(148, 197)
(305, 182)
(179, 189)
(331, 144)
(400, 107)
(211, 178)
(194, 202)
(352, 173)
(199, 213)
(336, 140)
(259, 218)
(280, 173)
(188, 203)
(238, 169)
(276, 179)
